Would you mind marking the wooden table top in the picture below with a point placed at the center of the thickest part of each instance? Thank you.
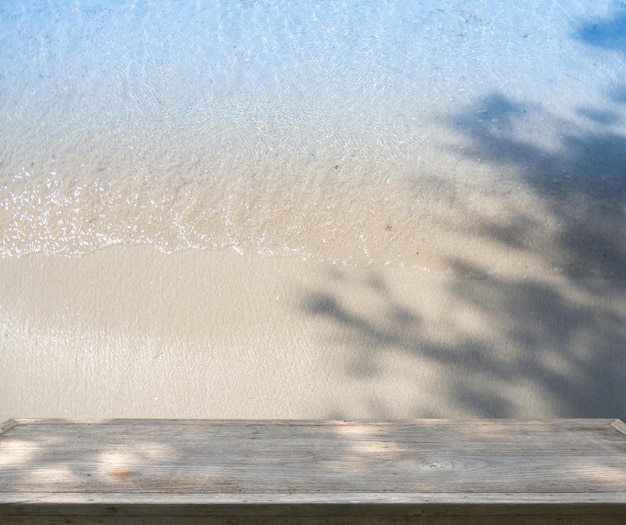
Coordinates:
(327, 459)
(441, 462)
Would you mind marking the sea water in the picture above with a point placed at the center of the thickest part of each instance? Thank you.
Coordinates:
(360, 132)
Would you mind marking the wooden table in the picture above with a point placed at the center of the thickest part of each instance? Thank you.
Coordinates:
(566, 471)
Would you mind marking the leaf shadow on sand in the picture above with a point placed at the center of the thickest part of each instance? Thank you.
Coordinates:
(549, 346)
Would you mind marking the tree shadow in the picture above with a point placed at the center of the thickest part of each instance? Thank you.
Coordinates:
(559, 342)
(581, 183)
(549, 344)
(609, 33)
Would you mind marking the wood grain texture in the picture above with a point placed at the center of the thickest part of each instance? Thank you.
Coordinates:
(619, 425)
(7, 425)
(432, 471)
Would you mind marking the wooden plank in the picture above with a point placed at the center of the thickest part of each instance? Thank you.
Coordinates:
(138, 456)
(261, 517)
(361, 513)
(444, 467)
(619, 425)
(7, 425)
(322, 470)
(487, 500)
(365, 515)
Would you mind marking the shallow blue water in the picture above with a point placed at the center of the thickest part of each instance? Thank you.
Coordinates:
(346, 131)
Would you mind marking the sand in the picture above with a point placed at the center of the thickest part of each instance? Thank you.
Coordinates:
(430, 204)
(132, 332)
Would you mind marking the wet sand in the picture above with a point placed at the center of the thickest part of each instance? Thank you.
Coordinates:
(459, 170)
(131, 332)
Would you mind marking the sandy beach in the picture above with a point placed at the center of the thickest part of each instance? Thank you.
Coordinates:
(293, 210)
(131, 332)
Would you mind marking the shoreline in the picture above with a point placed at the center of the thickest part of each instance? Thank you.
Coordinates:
(475, 153)
(132, 332)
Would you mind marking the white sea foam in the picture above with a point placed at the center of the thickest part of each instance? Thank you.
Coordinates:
(360, 134)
